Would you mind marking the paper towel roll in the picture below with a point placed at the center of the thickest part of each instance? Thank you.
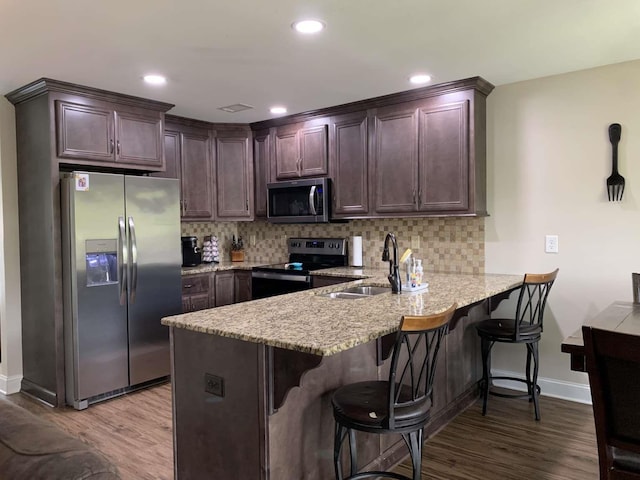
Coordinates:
(356, 252)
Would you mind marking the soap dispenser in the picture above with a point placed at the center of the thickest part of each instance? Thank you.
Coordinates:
(419, 272)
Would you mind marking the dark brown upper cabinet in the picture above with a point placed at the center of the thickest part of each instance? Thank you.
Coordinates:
(348, 164)
(301, 150)
(215, 165)
(262, 143)
(395, 159)
(425, 161)
(234, 175)
(187, 150)
(104, 132)
(416, 153)
(196, 176)
(443, 157)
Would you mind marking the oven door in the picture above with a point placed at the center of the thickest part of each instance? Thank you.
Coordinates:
(268, 284)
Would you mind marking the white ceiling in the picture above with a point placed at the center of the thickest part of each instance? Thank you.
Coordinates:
(216, 53)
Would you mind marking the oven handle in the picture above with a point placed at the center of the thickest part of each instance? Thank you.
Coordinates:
(312, 200)
(281, 276)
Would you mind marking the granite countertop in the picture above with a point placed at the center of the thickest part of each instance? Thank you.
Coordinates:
(309, 322)
(224, 265)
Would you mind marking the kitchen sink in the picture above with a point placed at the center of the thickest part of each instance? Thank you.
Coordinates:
(361, 291)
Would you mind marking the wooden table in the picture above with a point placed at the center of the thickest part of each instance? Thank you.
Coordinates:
(619, 316)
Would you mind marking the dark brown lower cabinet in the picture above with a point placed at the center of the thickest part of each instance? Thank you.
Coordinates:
(225, 288)
(242, 286)
(251, 411)
(209, 290)
(195, 292)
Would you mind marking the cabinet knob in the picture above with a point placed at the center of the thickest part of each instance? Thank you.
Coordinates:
(111, 145)
(118, 147)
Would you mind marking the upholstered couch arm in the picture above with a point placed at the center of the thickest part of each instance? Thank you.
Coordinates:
(32, 448)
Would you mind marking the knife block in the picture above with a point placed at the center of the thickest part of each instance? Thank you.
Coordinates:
(237, 255)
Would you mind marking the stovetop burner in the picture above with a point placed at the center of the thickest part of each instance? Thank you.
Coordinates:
(308, 254)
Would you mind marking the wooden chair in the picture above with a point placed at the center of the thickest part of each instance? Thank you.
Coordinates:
(525, 327)
(613, 364)
(400, 405)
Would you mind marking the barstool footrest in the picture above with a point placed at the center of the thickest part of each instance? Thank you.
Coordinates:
(376, 474)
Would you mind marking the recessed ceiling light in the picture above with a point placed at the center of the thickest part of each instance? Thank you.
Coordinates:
(420, 79)
(308, 26)
(278, 110)
(155, 79)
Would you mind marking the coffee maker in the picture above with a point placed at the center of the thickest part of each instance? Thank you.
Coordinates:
(191, 255)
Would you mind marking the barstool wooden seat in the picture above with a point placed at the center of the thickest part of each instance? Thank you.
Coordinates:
(398, 405)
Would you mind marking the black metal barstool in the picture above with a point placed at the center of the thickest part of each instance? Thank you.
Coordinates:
(400, 405)
(525, 327)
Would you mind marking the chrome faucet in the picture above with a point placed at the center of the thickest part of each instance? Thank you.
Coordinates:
(394, 271)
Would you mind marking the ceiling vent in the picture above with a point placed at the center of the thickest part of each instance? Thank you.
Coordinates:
(235, 108)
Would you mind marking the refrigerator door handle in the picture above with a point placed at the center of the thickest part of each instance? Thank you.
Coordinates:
(123, 259)
(134, 260)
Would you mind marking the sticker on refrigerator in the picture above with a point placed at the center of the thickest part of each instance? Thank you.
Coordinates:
(82, 182)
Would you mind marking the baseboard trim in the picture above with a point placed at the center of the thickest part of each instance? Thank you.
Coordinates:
(550, 387)
(9, 385)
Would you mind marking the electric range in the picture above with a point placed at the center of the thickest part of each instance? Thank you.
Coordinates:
(305, 255)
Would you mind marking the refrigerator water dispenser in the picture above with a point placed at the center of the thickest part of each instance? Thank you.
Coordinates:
(101, 259)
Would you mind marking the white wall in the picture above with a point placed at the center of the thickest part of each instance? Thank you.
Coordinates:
(10, 323)
(548, 157)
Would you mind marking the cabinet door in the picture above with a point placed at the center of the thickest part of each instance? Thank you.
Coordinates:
(396, 159)
(171, 156)
(287, 153)
(444, 157)
(313, 151)
(85, 132)
(197, 180)
(348, 160)
(262, 164)
(234, 174)
(242, 285)
(186, 304)
(200, 302)
(224, 282)
(139, 139)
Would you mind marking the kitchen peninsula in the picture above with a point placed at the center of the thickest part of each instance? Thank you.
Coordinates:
(252, 381)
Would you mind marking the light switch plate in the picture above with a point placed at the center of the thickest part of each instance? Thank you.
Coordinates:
(415, 241)
(551, 243)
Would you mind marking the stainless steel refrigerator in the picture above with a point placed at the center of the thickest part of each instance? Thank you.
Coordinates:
(121, 271)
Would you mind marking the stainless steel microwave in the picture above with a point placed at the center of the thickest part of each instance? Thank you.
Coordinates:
(299, 201)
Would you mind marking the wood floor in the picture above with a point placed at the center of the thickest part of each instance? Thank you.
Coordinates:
(134, 432)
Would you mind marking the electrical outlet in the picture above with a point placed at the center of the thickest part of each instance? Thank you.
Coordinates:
(214, 384)
(252, 240)
(415, 241)
(551, 243)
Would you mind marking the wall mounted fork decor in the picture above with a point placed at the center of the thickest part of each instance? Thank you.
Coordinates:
(615, 182)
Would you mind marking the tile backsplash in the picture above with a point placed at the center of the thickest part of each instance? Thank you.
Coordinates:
(448, 244)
